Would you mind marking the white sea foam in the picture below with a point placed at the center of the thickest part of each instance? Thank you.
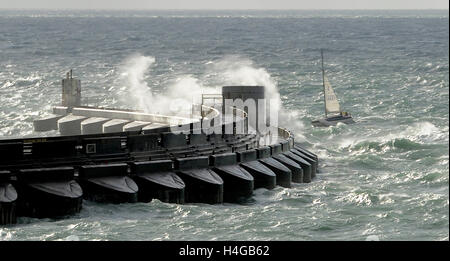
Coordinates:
(72, 238)
(186, 90)
(136, 93)
(134, 71)
(373, 238)
(236, 70)
(420, 132)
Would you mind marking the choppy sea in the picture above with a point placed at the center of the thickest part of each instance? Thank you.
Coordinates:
(384, 178)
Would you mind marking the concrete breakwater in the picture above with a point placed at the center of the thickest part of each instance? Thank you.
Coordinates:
(51, 176)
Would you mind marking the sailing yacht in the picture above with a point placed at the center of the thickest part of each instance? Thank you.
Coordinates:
(333, 113)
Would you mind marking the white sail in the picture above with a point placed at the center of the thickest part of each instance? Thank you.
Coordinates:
(331, 102)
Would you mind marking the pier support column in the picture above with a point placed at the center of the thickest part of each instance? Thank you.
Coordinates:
(71, 91)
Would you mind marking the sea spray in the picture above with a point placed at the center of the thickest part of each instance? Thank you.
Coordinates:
(133, 75)
(237, 70)
(136, 93)
(186, 90)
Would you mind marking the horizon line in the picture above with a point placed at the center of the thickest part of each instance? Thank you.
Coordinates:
(217, 9)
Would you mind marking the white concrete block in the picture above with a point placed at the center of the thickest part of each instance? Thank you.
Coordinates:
(93, 125)
(47, 124)
(70, 125)
(130, 115)
(61, 110)
(135, 125)
(154, 126)
(115, 125)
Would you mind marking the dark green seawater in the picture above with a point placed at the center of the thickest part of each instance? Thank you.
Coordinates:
(384, 178)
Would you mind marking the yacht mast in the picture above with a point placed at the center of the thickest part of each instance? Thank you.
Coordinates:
(323, 82)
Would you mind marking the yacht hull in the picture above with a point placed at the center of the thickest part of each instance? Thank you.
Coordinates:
(332, 121)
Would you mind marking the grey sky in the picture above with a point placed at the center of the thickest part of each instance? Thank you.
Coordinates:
(225, 4)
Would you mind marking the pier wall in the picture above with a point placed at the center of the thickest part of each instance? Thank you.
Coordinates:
(118, 156)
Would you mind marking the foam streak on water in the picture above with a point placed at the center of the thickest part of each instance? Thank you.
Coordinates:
(384, 178)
